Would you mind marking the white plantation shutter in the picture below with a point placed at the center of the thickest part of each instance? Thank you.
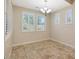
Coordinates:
(41, 23)
(31, 23)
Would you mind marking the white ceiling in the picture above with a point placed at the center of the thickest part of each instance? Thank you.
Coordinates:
(33, 4)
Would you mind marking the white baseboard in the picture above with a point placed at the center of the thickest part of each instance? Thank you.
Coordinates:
(18, 44)
(14, 45)
(63, 43)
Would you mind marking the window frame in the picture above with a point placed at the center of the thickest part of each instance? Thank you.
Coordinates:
(35, 20)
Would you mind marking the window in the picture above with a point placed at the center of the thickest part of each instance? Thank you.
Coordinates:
(68, 17)
(31, 23)
(28, 24)
(41, 23)
(6, 18)
(6, 24)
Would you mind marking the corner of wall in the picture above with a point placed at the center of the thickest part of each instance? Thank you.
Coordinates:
(69, 45)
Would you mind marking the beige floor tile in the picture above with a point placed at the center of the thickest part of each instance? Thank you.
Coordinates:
(43, 50)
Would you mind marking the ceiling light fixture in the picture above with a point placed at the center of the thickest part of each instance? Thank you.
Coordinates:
(45, 10)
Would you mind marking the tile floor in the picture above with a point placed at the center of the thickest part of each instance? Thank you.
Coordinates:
(43, 50)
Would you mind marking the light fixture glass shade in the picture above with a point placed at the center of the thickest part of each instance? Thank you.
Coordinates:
(45, 10)
(49, 10)
(42, 10)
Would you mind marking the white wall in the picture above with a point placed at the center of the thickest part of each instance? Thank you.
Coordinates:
(62, 32)
(20, 37)
(8, 45)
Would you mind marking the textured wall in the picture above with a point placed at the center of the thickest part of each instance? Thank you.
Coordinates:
(22, 37)
(62, 32)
